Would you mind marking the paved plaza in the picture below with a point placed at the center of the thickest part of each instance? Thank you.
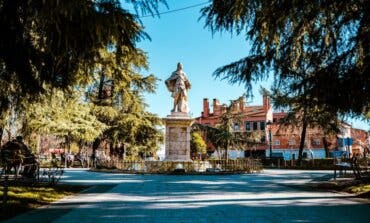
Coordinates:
(272, 196)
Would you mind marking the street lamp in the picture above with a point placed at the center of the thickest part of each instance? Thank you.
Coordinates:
(268, 124)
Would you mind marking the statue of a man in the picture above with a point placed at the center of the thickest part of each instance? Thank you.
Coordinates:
(178, 84)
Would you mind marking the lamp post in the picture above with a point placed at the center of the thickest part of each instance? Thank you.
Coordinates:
(268, 124)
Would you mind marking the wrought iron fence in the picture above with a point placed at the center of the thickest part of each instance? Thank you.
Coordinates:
(211, 166)
(315, 164)
(32, 173)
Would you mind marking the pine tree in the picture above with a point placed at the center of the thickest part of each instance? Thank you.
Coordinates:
(303, 113)
(116, 92)
(331, 37)
(49, 41)
(63, 115)
(55, 43)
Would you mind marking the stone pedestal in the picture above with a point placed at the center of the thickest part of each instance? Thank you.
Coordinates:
(177, 145)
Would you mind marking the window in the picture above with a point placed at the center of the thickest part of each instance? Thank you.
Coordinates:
(247, 126)
(236, 127)
(276, 142)
(262, 125)
(255, 125)
(316, 142)
(291, 142)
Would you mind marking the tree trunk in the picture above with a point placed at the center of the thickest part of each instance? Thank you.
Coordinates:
(95, 146)
(366, 149)
(1, 135)
(226, 152)
(111, 93)
(123, 151)
(326, 146)
(303, 138)
(66, 153)
(9, 134)
(101, 85)
(100, 95)
(112, 149)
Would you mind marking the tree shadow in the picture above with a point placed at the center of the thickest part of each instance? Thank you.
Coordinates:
(226, 198)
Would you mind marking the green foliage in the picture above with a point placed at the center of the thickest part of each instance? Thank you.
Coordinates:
(197, 144)
(116, 92)
(62, 115)
(32, 141)
(138, 131)
(74, 148)
(304, 111)
(57, 44)
(52, 49)
(323, 47)
(361, 189)
(49, 41)
(303, 107)
(227, 137)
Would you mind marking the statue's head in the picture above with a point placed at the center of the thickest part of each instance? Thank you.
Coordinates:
(179, 66)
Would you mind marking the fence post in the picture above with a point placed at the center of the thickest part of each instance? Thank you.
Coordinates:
(38, 172)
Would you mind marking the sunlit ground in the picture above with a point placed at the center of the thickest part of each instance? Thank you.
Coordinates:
(267, 197)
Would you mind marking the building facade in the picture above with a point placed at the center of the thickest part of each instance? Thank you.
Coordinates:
(284, 140)
(251, 119)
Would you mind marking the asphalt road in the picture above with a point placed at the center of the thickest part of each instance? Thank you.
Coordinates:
(273, 196)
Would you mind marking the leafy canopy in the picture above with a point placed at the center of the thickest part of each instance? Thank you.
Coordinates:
(331, 38)
(197, 144)
(63, 115)
(55, 42)
(116, 91)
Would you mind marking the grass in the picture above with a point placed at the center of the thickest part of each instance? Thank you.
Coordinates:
(361, 188)
(22, 198)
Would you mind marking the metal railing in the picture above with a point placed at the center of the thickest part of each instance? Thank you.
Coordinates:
(210, 166)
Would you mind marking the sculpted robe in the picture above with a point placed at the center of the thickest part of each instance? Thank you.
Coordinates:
(178, 84)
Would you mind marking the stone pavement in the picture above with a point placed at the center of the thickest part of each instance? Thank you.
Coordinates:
(266, 197)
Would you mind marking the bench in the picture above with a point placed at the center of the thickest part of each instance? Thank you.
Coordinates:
(341, 166)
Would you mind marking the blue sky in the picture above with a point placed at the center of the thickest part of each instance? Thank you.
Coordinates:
(180, 37)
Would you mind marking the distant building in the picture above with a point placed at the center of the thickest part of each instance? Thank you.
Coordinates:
(284, 140)
(361, 141)
(252, 119)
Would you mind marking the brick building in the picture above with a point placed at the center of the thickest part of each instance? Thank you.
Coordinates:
(251, 119)
(361, 141)
(263, 122)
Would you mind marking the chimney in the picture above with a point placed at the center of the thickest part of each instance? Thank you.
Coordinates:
(241, 103)
(216, 107)
(205, 112)
(266, 102)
